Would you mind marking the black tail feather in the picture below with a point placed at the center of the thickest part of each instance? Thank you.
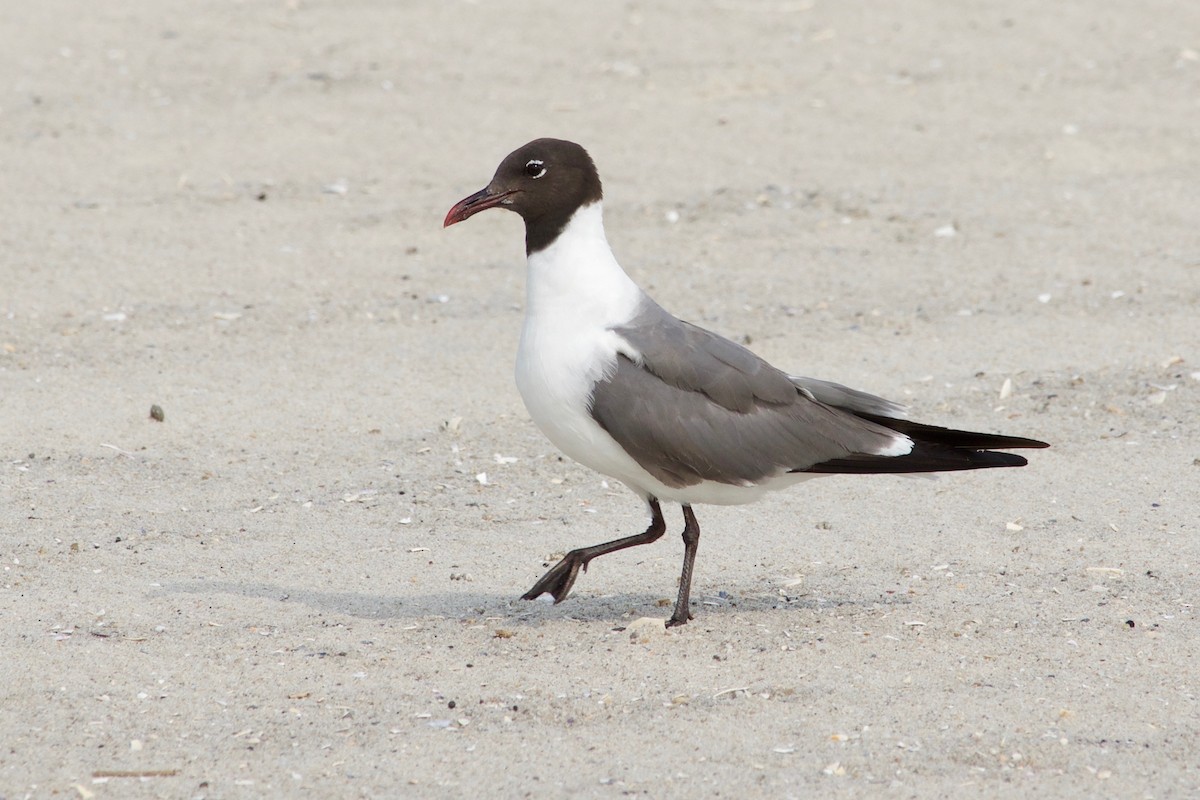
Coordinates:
(923, 458)
(935, 449)
(949, 437)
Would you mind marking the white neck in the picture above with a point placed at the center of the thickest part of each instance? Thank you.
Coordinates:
(577, 275)
(577, 293)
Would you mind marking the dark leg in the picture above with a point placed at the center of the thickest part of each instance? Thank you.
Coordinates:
(691, 541)
(561, 577)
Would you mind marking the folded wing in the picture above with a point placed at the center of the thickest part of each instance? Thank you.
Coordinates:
(691, 406)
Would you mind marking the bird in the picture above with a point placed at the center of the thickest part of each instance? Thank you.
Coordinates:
(677, 413)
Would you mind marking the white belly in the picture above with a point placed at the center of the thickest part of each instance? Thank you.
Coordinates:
(556, 383)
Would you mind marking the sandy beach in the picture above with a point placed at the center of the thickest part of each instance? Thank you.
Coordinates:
(303, 581)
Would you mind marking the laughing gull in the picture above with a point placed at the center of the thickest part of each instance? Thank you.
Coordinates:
(673, 411)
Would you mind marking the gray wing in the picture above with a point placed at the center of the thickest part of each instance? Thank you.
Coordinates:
(695, 406)
(852, 400)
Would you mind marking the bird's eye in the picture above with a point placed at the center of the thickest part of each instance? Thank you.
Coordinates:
(535, 169)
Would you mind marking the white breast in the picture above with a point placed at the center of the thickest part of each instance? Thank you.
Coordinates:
(576, 294)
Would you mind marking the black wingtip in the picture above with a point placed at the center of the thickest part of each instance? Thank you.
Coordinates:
(923, 458)
(950, 437)
(991, 458)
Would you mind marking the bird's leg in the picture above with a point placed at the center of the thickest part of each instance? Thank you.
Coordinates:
(561, 577)
(691, 541)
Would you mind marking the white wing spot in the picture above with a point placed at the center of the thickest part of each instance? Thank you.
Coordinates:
(900, 446)
(625, 347)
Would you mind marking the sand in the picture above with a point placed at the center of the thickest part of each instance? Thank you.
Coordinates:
(304, 581)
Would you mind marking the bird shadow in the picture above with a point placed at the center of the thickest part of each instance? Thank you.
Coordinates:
(465, 604)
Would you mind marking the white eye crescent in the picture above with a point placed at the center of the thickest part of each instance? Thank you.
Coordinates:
(535, 168)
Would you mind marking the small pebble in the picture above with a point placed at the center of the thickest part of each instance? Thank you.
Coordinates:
(156, 413)
(640, 629)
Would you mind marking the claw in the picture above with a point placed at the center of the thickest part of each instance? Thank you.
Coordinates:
(675, 621)
(558, 580)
